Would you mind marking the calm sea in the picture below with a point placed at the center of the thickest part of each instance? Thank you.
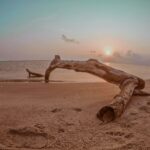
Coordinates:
(16, 70)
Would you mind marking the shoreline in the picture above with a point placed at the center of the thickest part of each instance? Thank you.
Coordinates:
(54, 81)
(27, 80)
(43, 81)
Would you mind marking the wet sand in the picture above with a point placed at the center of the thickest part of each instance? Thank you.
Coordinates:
(62, 116)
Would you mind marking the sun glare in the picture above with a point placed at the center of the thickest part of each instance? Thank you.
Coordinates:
(108, 51)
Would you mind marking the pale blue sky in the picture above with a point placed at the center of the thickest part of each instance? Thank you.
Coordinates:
(33, 29)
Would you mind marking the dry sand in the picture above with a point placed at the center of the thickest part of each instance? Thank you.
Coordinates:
(62, 116)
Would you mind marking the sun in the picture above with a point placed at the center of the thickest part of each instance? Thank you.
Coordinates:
(108, 51)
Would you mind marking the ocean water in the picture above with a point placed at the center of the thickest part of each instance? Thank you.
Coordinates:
(16, 70)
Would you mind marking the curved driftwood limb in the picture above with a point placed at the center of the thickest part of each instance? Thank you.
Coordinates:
(129, 84)
(33, 74)
(119, 103)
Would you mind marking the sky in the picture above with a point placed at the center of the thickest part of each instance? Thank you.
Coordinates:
(39, 29)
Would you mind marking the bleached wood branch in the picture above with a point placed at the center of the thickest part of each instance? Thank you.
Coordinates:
(129, 84)
(33, 74)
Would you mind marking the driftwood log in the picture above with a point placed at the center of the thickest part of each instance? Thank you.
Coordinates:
(129, 84)
(33, 74)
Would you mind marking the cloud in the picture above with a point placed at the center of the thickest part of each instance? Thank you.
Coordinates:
(129, 57)
(69, 40)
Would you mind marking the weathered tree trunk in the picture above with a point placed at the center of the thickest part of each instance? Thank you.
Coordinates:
(119, 103)
(33, 74)
(129, 84)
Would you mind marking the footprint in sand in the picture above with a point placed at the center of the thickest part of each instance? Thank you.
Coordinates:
(56, 110)
(60, 130)
(115, 133)
(77, 109)
(120, 134)
(28, 137)
(129, 135)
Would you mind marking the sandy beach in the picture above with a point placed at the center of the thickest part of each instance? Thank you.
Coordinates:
(62, 116)
(74, 75)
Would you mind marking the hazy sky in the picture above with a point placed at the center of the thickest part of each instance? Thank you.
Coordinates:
(39, 29)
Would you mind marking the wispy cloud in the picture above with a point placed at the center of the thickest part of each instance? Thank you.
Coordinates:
(69, 40)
